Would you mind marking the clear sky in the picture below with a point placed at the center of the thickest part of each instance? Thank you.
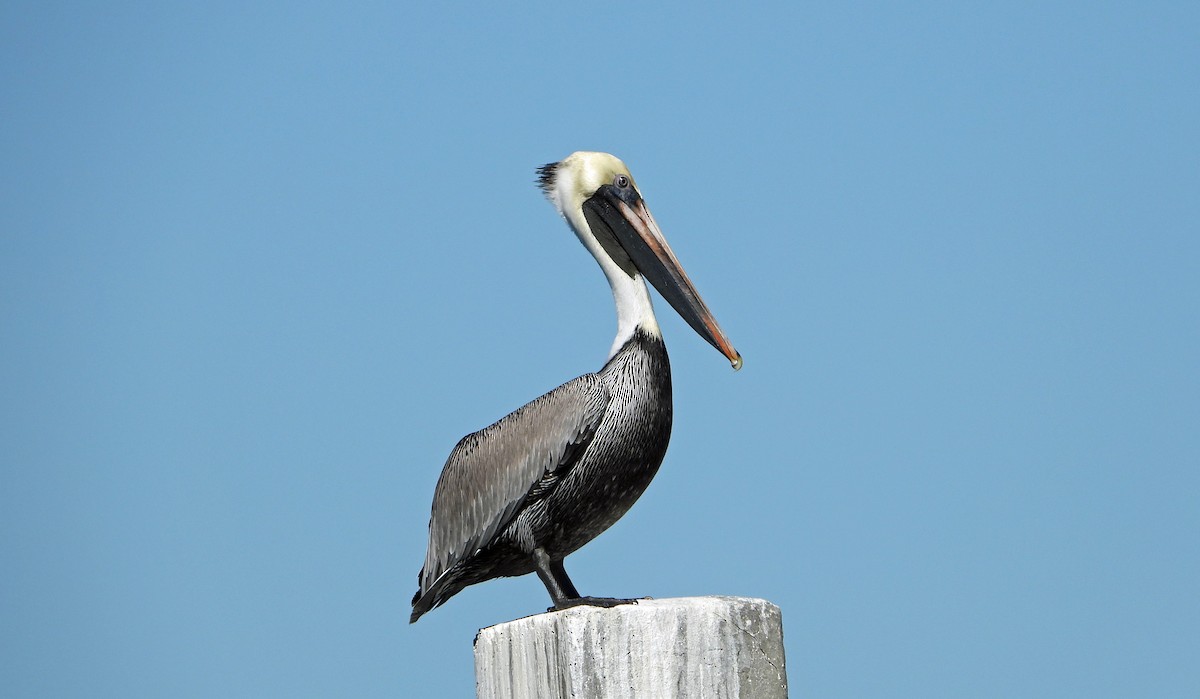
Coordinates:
(261, 268)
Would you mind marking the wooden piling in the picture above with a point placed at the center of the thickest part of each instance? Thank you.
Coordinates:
(693, 647)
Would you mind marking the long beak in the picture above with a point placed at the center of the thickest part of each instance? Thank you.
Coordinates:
(637, 233)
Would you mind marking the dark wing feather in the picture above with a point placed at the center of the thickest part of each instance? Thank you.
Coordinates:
(492, 472)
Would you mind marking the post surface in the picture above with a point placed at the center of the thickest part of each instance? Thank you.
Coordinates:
(696, 647)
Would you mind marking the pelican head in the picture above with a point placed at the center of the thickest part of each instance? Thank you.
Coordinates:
(601, 202)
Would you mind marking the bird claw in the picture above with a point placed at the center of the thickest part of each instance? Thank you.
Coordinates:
(606, 602)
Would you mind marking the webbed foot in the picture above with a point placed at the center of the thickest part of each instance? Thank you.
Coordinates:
(592, 602)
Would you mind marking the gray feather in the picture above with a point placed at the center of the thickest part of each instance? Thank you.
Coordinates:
(491, 473)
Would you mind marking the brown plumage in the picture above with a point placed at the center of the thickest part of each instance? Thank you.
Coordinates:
(523, 493)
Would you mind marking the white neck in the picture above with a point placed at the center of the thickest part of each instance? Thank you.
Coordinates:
(630, 294)
(633, 303)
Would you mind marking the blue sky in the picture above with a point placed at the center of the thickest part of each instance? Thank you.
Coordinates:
(261, 268)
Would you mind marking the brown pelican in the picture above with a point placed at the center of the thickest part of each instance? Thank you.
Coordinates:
(520, 495)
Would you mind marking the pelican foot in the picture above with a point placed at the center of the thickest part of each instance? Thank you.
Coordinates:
(592, 602)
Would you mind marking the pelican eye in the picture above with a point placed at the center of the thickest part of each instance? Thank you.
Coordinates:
(621, 181)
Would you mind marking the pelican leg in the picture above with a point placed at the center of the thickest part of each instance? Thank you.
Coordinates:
(554, 577)
(562, 590)
(560, 574)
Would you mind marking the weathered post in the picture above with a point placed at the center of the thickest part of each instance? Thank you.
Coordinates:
(693, 647)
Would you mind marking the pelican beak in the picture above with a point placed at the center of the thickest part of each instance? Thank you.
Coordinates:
(623, 224)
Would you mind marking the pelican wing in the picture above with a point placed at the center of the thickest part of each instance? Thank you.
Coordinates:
(491, 473)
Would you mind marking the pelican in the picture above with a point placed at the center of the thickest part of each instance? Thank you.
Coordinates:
(520, 495)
